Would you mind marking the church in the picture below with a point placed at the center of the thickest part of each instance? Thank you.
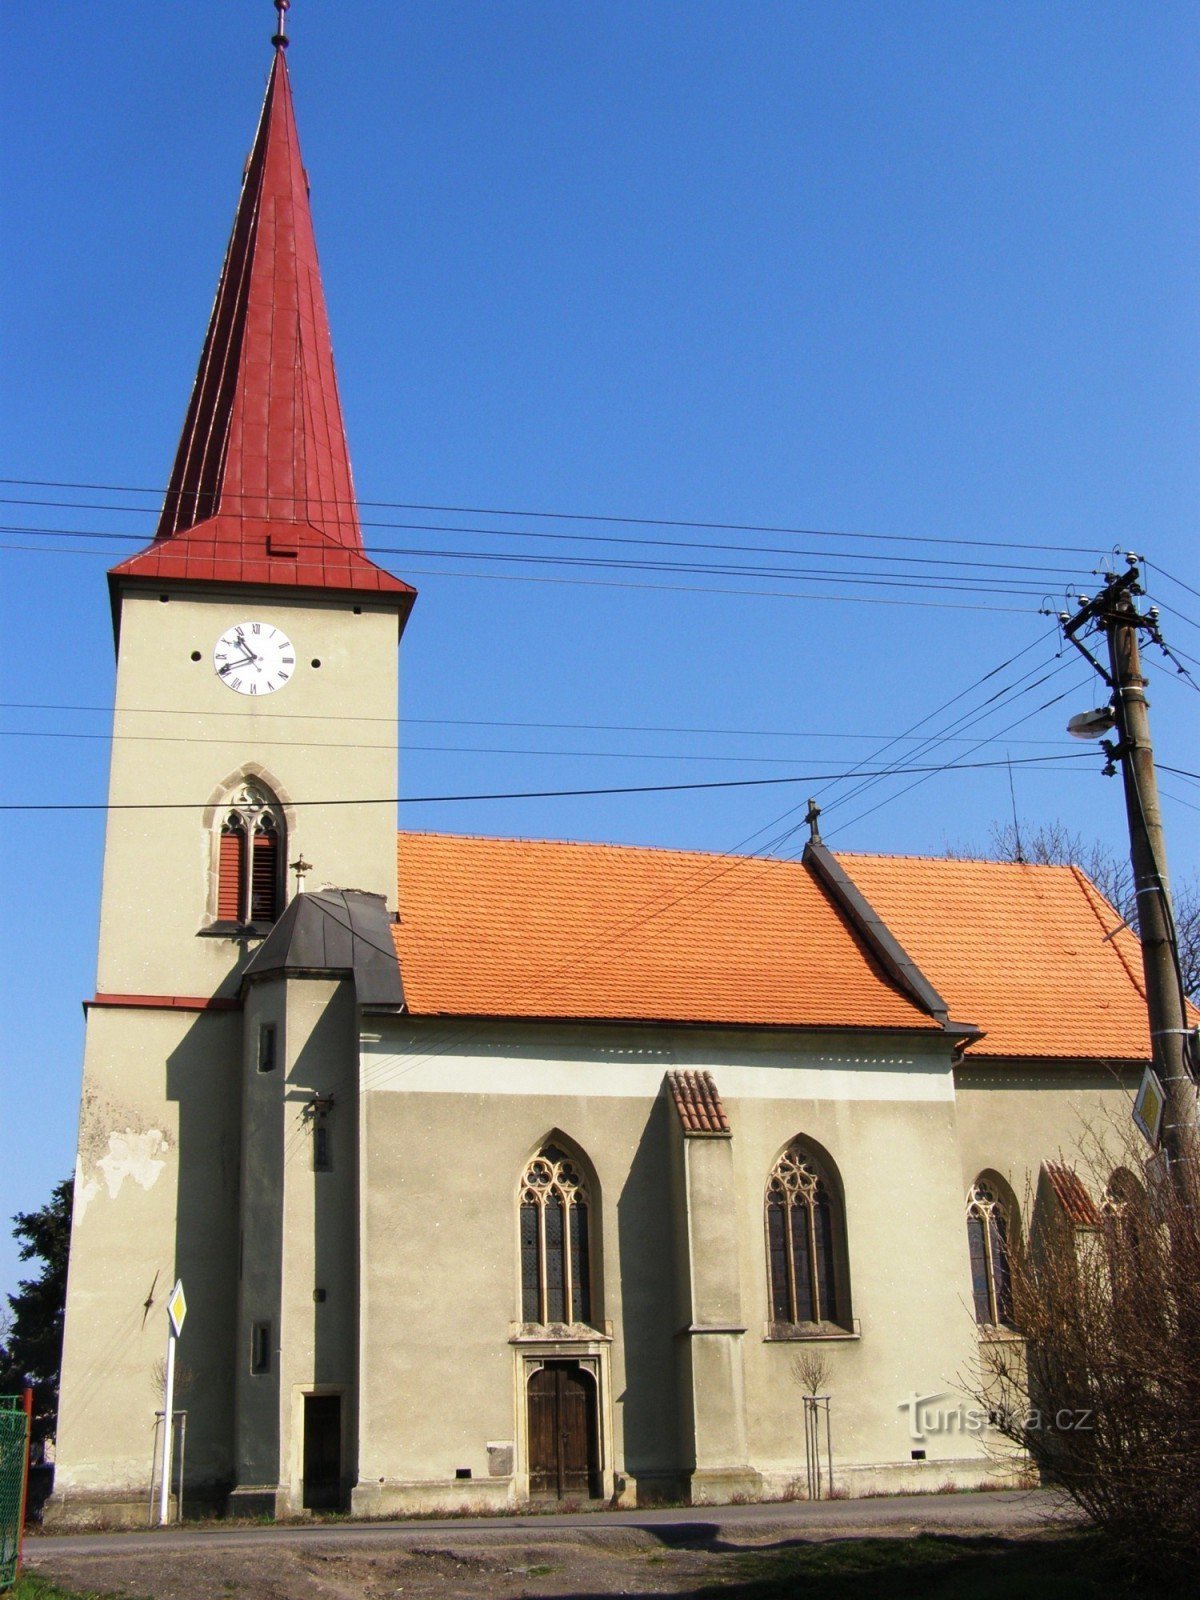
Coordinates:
(497, 1169)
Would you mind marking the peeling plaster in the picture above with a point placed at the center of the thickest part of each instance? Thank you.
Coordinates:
(131, 1154)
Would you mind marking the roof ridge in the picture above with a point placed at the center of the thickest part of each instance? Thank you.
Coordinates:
(953, 861)
(596, 844)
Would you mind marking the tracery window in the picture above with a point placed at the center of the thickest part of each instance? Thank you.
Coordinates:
(988, 1238)
(251, 849)
(555, 1259)
(1122, 1194)
(1123, 1213)
(802, 1227)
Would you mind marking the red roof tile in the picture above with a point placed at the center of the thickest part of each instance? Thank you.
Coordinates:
(701, 1112)
(530, 928)
(262, 461)
(1032, 954)
(1077, 1203)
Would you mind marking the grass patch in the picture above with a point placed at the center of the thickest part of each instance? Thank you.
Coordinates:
(930, 1567)
(30, 1587)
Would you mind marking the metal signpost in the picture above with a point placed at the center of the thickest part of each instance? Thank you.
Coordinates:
(176, 1312)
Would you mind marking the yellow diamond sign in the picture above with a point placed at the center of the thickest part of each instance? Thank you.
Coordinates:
(177, 1308)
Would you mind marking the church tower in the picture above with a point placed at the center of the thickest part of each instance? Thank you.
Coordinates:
(254, 744)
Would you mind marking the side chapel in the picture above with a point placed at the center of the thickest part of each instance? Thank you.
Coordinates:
(499, 1168)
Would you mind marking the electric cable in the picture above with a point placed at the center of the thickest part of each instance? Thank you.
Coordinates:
(574, 538)
(531, 794)
(581, 516)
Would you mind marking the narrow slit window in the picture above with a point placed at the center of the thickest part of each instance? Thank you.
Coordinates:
(260, 1347)
(988, 1242)
(322, 1147)
(266, 1047)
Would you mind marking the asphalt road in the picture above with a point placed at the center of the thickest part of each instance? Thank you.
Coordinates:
(994, 1512)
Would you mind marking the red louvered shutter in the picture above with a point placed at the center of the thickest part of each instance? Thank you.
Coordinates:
(264, 884)
(230, 871)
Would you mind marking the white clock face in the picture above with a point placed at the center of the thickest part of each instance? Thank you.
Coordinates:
(254, 658)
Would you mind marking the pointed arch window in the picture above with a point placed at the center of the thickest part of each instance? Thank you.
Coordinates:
(251, 851)
(804, 1229)
(989, 1233)
(555, 1243)
(1123, 1215)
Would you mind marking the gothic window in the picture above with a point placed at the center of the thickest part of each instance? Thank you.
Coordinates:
(555, 1263)
(803, 1233)
(1122, 1195)
(251, 849)
(1123, 1212)
(989, 1236)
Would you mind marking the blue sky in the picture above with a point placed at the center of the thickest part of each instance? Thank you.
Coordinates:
(925, 271)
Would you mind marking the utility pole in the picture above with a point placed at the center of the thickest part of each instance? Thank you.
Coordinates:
(1113, 610)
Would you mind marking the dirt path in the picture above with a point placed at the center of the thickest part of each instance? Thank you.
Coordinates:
(648, 1553)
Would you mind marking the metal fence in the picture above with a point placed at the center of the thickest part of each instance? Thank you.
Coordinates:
(14, 1463)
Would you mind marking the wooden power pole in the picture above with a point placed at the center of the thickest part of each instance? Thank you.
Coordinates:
(1113, 610)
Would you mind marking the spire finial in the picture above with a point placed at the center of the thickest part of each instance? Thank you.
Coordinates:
(280, 38)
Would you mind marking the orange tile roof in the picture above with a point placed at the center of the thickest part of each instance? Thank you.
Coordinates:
(529, 928)
(1020, 950)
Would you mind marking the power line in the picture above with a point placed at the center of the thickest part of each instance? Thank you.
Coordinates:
(1173, 578)
(966, 719)
(942, 581)
(652, 588)
(444, 749)
(584, 516)
(887, 800)
(535, 794)
(962, 694)
(477, 722)
(574, 538)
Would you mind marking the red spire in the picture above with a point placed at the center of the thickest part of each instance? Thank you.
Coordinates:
(261, 490)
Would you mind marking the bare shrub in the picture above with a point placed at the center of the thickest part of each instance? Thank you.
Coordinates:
(1104, 1389)
(810, 1370)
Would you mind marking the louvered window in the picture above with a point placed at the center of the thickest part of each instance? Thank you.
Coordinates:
(264, 872)
(250, 855)
(231, 870)
(555, 1249)
(803, 1223)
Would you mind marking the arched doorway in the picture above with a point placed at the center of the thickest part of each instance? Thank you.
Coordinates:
(563, 1456)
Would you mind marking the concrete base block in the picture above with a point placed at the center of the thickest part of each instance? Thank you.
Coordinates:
(856, 1480)
(453, 1497)
(658, 1489)
(723, 1486)
(255, 1500)
(100, 1508)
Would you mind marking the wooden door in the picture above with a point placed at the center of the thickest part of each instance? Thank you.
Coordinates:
(563, 1458)
(322, 1451)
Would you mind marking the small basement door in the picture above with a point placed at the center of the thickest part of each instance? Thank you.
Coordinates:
(563, 1454)
(322, 1452)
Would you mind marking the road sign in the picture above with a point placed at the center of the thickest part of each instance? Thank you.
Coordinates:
(177, 1308)
(1148, 1107)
